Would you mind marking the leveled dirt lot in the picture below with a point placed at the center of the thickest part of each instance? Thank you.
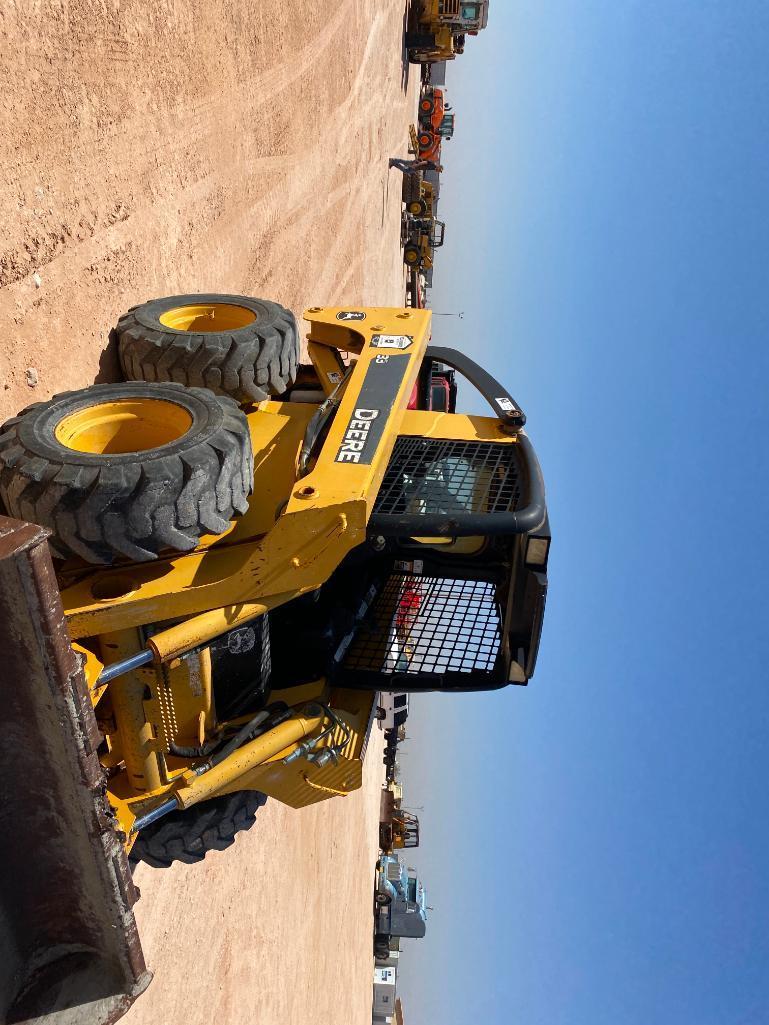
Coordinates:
(210, 145)
(275, 931)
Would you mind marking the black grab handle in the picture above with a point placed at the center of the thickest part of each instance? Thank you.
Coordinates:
(498, 397)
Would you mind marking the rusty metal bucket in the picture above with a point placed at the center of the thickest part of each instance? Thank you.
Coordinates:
(69, 949)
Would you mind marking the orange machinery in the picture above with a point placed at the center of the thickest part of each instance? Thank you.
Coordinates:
(436, 123)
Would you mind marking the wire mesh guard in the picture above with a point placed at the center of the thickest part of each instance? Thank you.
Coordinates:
(430, 476)
(428, 625)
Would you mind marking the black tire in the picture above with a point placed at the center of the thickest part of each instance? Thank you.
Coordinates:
(382, 900)
(412, 250)
(381, 950)
(187, 836)
(417, 207)
(248, 363)
(133, 504)
(412, 186)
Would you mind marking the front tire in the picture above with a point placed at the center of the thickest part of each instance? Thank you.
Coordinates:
(127, 470)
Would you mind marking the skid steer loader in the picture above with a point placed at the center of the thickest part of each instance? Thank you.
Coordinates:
(246, 552)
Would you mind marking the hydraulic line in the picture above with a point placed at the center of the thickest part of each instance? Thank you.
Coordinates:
(270, 731)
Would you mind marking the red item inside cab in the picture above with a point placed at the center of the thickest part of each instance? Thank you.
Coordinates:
(440, 395)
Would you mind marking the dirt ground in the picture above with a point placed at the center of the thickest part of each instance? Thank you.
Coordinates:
(275, 931)
(210, 145)
(205, 145)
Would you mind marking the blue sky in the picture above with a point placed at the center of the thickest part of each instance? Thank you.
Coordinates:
(596, 847)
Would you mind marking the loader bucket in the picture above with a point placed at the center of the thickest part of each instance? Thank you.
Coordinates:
(69, 950)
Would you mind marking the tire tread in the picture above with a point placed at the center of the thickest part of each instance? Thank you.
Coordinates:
(187, 836)
(108, 511)
(252, 364)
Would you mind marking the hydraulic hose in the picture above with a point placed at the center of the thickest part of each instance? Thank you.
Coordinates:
(273, 715)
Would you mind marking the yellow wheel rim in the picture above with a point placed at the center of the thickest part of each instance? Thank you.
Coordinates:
(127, 425)
(411, 257)
(205, 317)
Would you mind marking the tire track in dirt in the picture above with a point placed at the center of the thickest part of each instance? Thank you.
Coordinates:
(150, 143)
(145, 244)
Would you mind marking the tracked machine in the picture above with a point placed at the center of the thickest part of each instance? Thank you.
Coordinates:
(245, 551)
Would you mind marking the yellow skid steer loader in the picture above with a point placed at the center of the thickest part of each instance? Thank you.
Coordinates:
(246, 551)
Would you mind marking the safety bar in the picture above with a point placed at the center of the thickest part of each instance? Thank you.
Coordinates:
(498, 397)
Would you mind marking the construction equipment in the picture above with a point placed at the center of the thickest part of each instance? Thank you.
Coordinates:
(423, 236)
(436, 123)
(437, 28)
(400, 904)
(199, 511)
(413, 140)
(398, 829)
(403, 831)
(420, 201)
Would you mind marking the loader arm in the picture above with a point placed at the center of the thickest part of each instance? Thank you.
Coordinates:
(325, 515)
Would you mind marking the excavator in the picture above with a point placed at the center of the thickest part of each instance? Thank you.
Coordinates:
(167, 541)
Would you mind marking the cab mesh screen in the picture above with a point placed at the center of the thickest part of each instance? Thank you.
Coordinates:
(429, 476)
(428, 625)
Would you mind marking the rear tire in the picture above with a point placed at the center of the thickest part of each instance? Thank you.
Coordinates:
(187, 836)
(252, 357)
(127, 470)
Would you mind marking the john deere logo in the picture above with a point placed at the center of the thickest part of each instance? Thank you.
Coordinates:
(356, 435)
(351, 315)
